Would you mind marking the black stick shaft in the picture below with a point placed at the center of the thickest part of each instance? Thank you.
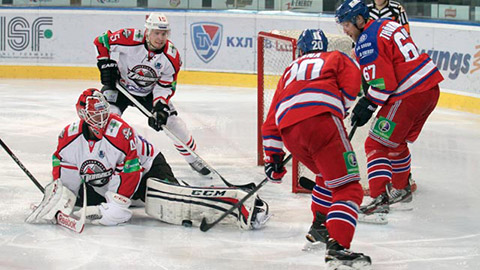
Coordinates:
(205, 226)
(352, 132)
(20, 164)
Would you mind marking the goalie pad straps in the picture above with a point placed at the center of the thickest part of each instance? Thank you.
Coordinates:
(56, 198)
(178, 204)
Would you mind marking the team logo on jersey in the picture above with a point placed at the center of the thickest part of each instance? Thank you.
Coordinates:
(206, 39)
(113, 128)
(362, 38)
(101, 154)
(351, 162)
(142, 75)
(126, 33)
(137, 35)
(127, 133)
(60, 136)
(383, 127)
(94, 173)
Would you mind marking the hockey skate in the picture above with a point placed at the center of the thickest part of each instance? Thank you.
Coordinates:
(318, 233)
(338, 257)
(379, 204)
(411, 182)
(200, 167)
(398, 195)
(376, 211)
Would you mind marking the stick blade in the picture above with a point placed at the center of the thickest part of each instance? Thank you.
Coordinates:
(204, 226)
(70, 222)
(306, 183)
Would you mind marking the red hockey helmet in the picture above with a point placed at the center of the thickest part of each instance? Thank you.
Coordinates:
(93, 108)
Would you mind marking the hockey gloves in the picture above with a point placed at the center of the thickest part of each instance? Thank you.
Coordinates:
(363, 112)
(160, 112)
(115, 211)
(274, 168)
(108, 72)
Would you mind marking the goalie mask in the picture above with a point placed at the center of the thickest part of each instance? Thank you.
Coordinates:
(93, 108)
(311, 40)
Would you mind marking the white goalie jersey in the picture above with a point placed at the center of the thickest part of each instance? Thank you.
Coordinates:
(114, 163)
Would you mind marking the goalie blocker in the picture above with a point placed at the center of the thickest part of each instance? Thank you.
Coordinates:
(188, 205)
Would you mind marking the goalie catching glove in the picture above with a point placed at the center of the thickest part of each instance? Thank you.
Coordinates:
(160, 112)
(274, 169)
(111, 213)
(56, 198)
(363, 111)
(108, 72)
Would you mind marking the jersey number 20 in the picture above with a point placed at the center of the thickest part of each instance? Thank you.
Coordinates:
(308, 69)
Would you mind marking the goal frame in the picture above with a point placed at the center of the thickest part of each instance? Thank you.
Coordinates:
(296, 188)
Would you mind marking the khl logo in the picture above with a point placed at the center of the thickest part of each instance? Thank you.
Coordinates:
(206, 39)
(18, 33)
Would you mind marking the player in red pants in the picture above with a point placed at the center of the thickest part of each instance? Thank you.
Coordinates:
(404, 83)
(307, 112)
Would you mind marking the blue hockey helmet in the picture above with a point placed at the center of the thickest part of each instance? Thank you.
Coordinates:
(312, 40)
(350, 9)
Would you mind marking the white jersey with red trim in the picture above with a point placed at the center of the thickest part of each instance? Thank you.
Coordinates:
(114, 163)
(142, 71)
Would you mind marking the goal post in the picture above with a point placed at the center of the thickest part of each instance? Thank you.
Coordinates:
(275, 51)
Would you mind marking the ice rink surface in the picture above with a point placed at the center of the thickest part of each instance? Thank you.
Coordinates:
(441, 232)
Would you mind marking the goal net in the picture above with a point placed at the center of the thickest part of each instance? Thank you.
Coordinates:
(276, 50)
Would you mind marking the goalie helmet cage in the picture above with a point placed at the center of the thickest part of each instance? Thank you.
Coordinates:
(275, 51)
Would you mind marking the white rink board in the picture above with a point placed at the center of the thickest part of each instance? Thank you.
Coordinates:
(65, 38)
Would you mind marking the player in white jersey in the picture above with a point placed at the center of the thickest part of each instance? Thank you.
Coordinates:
(147, 66)
(119, 166)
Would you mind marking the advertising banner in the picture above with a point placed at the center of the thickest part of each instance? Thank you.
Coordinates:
(211, 41)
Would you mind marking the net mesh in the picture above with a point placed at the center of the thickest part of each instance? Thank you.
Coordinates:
(277, 54)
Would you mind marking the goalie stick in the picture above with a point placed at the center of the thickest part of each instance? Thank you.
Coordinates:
(174, 137)
(64, 220)
(205, 226)
(70, 222)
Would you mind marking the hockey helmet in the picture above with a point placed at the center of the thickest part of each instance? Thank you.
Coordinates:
(350, 9)
(157, 20)
(94, 109)
(312, 40)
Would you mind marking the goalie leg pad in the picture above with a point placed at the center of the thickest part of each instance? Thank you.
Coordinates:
(176, 204)
(56, 198)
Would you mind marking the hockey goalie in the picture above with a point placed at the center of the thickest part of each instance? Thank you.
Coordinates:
(118, 166)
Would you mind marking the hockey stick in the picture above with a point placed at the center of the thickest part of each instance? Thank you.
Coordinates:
(12, 155)
(352, 131)
(309, 184)
(70, 222)
(174, 137)
(205, 226)
(62, 219)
